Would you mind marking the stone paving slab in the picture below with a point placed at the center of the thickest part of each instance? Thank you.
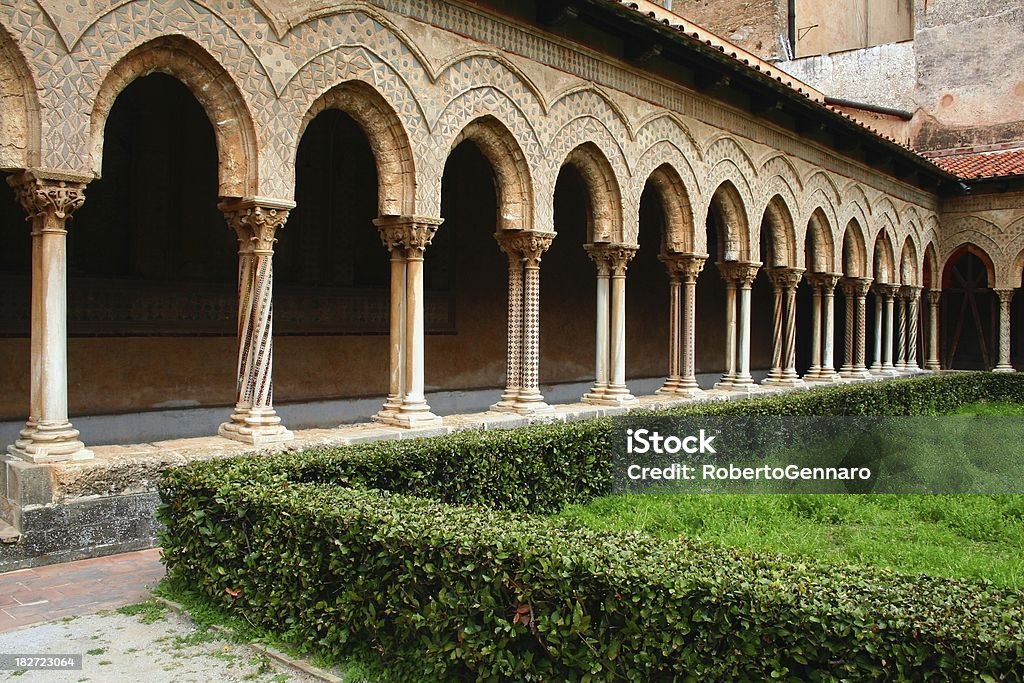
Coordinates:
(32, 596)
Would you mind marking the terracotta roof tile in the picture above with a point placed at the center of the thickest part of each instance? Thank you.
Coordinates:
(982, 164)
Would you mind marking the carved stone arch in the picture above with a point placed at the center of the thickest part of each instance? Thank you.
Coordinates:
(675, 202)
(854, 204)
(595, 135)
(316, 77)
(883, 260)
(930, 266)
(589, 100)
(666, 152)
(725, 148)
(667, 127)
(396, 172)
(513, 181)
(1015, 277)
(779, 165)
(522, 155)
(477, 67)
(819, 245)
(854, 254)
(731, 213)
(821, 190)
(728, 170)
(969, 247)
(886, 216)
(211, 85)
(778, 217)
(20, 143)
(604, 194)
(909, 270)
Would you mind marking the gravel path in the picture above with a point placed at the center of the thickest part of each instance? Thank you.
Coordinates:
(153, 646)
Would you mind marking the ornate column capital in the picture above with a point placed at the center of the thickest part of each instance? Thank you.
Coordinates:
(620, 256)
(528, 245)
(910, 291)
(855, 286)
(48, 194)
(826, 281)
(784, 277)
(740, 272)
(933, 296)
(684, 266)
(256, 221)
(601, 254)
(886, 290)
(411, 233)
(1005, 296)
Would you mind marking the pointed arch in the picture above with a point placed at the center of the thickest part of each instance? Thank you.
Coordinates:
(675, 201)
(731, 218)
(974, 250)
(778, 220)
(514, 185)
(883, 259)
(819, 247)
(211, 85)
(930, 267)
(389, 142)
(909, 264)
(605, 224)
(20, 146)
(854, 250)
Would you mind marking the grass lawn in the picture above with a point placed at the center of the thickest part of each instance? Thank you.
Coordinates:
(978, 536)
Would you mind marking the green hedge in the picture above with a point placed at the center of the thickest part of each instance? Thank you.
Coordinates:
(391, 545)
(459, 593)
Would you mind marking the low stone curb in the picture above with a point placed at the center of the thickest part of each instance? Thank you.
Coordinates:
(299, 665)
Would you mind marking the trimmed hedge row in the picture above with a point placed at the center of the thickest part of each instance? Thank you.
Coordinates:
(439, 585)
(458, 593)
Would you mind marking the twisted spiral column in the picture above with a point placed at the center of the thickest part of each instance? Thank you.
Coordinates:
(255, 223)
(1005, 299)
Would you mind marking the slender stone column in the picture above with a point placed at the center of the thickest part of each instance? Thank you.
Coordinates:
(876, 363)
(396, 333)
(533, 246)
(902, 323)
(888, 292)
(746, 273)
(600, 254)
(912, 297)
(855, 290)
(410, 236)
(828, 372)
(514, 344)
(849, 287)
(690, 267)
(617, 391)
(784, 282)
(727, 269)
(1005, 299)
(813, 372)
(777, 277)
(675, 314)
(49, 200)
(933, 331)
(823, 334)
(255, 223)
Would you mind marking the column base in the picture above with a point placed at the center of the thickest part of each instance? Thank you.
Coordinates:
(610, 399)
(686, 387)
(889, 371)
(533, 406)
(825, 377)
(933, 366)
(669, 387)
(43, 443)
(785, 382)
(412, 415)
(744, 383)
(260, 435)
(812, 374)
(391, 406)
(857, 374)
(596, 394)
(1004, 369)
(509, 401)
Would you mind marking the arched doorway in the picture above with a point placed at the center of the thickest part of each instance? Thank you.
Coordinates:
(969, 315)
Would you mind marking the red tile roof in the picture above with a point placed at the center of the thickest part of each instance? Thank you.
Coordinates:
(990, 164)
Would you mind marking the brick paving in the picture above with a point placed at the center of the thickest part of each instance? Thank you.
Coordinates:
(33, 596)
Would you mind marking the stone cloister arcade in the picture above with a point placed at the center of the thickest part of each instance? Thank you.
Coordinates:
(484, 213)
